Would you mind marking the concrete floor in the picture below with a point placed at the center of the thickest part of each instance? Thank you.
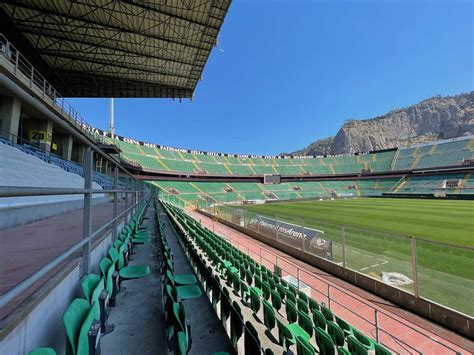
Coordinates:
(208, 334)
(138, 316)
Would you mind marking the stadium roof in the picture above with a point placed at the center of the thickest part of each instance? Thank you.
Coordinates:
(109, 48)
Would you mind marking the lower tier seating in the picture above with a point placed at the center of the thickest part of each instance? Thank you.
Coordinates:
(267, 315)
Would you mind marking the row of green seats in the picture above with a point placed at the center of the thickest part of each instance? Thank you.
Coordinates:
(256, 282)
(85, 319)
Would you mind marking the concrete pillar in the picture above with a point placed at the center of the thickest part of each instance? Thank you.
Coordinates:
(45, 128)
(79, 150)
(10, 111)
(66, 146)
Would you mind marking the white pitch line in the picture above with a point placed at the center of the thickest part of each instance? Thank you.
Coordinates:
(355, 252)
(375, 265)
(364, 268)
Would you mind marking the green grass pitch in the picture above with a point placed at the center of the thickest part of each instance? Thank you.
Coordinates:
(376, 234)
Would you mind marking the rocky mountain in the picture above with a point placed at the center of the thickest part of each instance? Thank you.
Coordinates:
(432, 119)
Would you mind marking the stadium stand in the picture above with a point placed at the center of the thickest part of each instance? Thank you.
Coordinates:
(436, 154)
(33, 170)
(274, 314)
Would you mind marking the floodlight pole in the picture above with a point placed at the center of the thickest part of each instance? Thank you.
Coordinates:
(111, 122)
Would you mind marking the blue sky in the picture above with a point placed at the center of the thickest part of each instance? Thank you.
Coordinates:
(286, 73)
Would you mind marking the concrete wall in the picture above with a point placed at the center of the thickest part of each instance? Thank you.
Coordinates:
(14, 216)
(43, 325)
(446, 317)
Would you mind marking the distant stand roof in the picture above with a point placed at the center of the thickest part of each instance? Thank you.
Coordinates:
(109, 48)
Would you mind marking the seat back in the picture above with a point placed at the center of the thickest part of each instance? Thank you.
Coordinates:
(319, 320)
(88, 286)
(285, 337)
(236, 324)
(355, 346)
(327, 313)
(251, 340)
(324, 341)
(254, 300)
(305, 322)
(313, 304)
(266, 290)
(83, 341)
(268, 315)
(303, 347)
(104, 266)
(302, 305)
(291, 313)
(336, 333)
(73, 318)
(276, 300)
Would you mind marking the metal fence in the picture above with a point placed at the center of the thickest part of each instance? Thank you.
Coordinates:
(132, 192)
(391, 331)
(439, 272)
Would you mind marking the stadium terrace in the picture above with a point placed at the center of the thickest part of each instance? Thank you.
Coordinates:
(113, 245)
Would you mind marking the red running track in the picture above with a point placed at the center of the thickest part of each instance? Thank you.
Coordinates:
(401, 331)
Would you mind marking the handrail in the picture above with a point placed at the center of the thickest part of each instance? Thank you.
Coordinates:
(31, 279)
(339, 289)
(14, 191)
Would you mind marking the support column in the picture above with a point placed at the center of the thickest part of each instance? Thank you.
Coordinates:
(66, 146)
(45, 135)
(10, 111)
(87, 218)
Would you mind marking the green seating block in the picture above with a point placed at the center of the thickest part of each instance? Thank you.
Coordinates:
(134, 272)
(303, 347)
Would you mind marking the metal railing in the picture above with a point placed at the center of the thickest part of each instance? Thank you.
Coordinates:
(22, 69)
(386, 328)
(134, 194)
(439, 272)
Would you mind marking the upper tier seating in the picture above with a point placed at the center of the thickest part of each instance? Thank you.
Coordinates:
(33, 170)
(435, 155)
(168, 160)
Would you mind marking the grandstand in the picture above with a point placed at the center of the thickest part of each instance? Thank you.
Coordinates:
(112, 245)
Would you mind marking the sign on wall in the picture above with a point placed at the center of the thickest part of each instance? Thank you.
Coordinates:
(40, 136)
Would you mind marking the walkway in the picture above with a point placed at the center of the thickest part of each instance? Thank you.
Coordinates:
(138, 315)
(207, 333)
(350, 302)
(25, 249)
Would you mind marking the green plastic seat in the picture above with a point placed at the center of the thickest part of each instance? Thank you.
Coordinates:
(381, 350)
(254, 300)
(77, 320)
(266, 290)
(327, 313)
(268, 315)
(291, 313)
(303, 347)
(305, 322)
(346, 328)
(251, 340)
(319, 320)
(336, 333)
(276, 300)
(343, 351)
(302, 305)
(42, 351)
(297, 331)
(325, 344)
(367, 342)
(181, 279)
(236, 324)
(184, 292)
(355, 346)
(245, 291)
(285, 337)
(313, 304)
(92, 286)
(128, 272)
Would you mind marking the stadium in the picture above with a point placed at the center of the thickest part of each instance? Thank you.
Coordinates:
(366, 252)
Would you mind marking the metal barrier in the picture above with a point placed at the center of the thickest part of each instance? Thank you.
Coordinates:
(134, 196)
(410, 263)
(360, 313)
(22, 69)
